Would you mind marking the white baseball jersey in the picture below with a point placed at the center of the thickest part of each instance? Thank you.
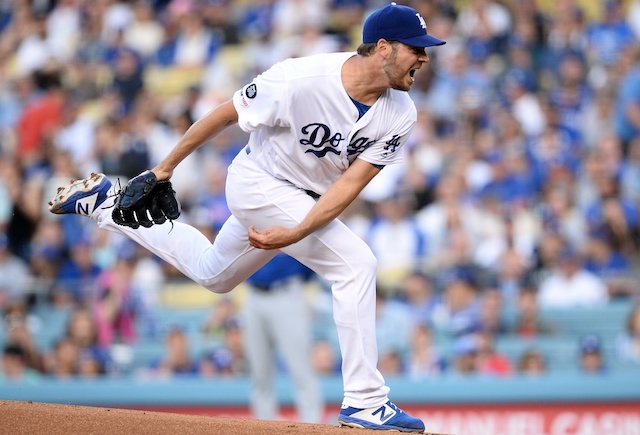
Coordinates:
(304, 128)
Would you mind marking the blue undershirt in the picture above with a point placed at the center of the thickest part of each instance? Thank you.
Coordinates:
(362, 109)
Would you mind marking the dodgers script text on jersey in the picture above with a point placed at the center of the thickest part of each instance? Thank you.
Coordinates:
(324, 135)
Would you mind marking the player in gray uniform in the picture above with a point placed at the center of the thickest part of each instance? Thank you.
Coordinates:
(321, 127)
(276, 323)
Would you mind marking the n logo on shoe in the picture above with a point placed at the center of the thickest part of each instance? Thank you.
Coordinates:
(84, 206)
(386, 412)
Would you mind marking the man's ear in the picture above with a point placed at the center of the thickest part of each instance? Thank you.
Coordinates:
(384, 48)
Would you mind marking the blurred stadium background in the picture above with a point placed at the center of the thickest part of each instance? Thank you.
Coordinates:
(508, 240)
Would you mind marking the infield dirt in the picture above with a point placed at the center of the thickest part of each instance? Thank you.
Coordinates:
(33, 418)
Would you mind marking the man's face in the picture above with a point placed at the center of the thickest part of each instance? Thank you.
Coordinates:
(402, 63)
(591, 361)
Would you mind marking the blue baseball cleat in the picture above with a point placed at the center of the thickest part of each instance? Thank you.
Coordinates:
(81, 196)
(384, 417)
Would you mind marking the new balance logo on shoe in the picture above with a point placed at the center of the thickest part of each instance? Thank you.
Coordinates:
(85, 206)
(386, 412)
(81, 196)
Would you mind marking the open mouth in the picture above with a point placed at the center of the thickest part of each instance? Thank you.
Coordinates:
(412, 72)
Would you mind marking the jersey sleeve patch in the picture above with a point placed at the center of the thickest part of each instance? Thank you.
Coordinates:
(391, 146)
(247, 93)
(251, 91)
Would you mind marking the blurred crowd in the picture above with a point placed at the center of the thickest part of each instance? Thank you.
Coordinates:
(519, 191)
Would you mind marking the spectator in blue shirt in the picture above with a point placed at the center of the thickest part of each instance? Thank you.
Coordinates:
(458, 313)
(78, 274)
(607, 38)
(571, 95)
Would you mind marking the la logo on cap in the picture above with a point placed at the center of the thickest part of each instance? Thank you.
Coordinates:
(422, 21)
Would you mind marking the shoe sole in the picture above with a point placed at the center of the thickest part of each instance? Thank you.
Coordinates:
(359, 426)
(76, 186)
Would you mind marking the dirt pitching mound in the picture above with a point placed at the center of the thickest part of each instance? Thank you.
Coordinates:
(53, 419)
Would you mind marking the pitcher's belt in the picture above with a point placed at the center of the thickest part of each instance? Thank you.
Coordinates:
(311, 193)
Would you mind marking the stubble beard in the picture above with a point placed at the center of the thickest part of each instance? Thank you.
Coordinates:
(394, 74)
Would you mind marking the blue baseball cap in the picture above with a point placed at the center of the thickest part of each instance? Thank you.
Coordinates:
(590, 344)
(398, 23)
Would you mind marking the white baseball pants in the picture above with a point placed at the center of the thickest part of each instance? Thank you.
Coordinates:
(334, 252)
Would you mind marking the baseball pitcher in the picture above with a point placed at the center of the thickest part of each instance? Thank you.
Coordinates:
(321, 128)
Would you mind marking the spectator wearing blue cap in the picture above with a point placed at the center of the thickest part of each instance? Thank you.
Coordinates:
(591, 358)
(227, 357)
(465, 355)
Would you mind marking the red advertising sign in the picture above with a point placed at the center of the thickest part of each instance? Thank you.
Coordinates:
(491, 419)
(548, 419)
